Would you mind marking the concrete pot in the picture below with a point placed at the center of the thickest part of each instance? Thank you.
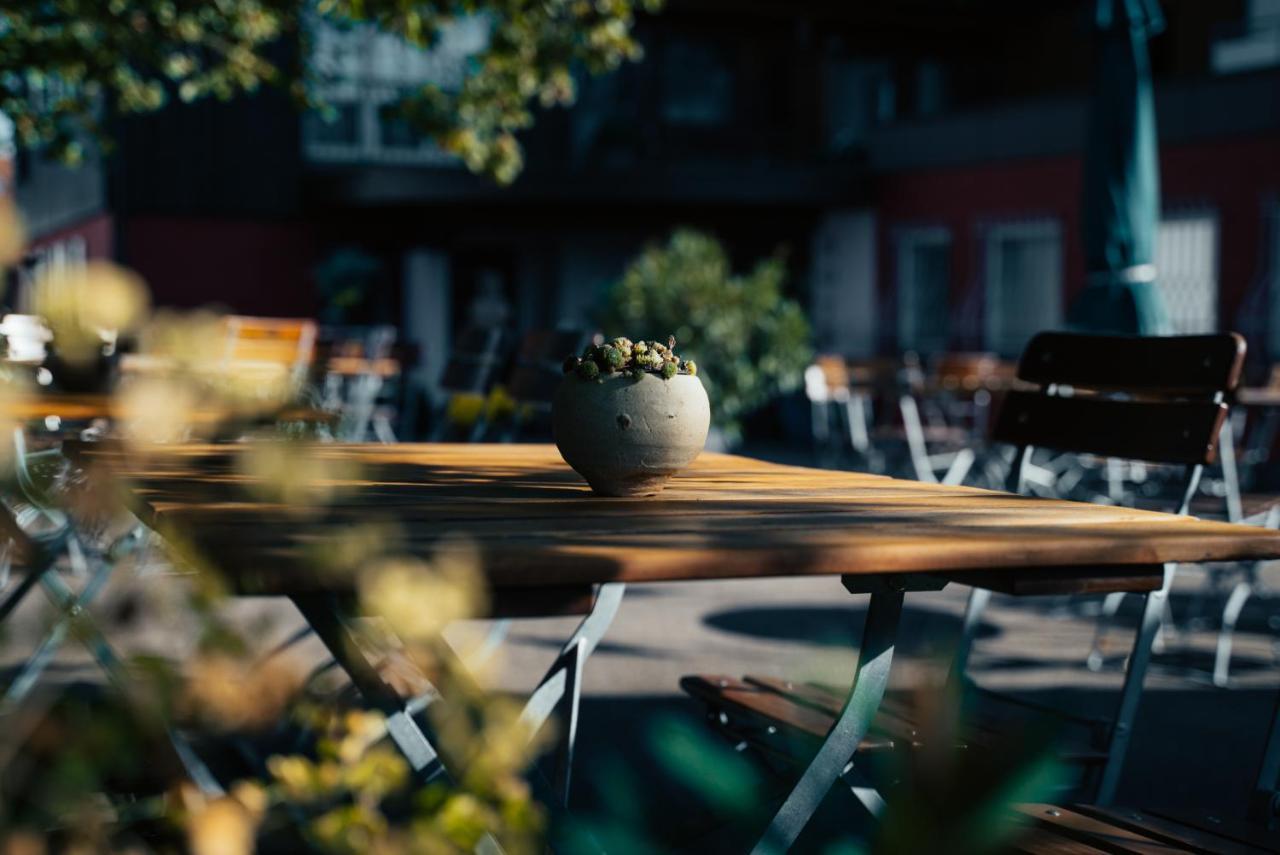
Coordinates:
(627, 436)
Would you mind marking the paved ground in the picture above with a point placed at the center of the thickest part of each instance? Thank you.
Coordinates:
(1195, 747)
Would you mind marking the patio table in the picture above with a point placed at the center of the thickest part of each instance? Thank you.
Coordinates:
(546, 541)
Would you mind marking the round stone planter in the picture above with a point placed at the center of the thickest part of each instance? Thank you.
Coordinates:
(628, 435)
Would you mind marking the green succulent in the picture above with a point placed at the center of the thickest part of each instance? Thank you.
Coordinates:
(632, 358)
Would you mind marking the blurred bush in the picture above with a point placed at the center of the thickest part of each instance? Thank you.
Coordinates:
(750, 341)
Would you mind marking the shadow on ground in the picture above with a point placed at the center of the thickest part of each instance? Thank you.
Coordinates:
(1191, 752)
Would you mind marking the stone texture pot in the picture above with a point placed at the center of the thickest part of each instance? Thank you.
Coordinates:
(627, 436)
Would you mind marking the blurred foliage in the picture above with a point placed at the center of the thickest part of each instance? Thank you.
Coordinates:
(65, 65)
(750, 340)
(93, 769)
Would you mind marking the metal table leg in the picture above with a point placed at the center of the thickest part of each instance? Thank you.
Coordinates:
(1131, 694)
(561, 687)
(332, 626)
(875, 656)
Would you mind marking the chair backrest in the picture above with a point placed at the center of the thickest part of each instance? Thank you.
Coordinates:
(288, 343)
(539, 363)
(826, 378)
(965, 370)
(1158, 399)
(473, 361)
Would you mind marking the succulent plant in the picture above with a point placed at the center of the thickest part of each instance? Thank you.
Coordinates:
(621, 355)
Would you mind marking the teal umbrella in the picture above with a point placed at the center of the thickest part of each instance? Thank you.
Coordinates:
(1120, 208)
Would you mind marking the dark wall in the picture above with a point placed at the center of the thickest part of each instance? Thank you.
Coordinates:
(237, 158)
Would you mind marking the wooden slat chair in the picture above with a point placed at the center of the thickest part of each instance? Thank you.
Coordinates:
(1059, 828)
(273, 345)
(941, 450)
(1156, 399)
(359, 368)
(473, 363)
(829, 386)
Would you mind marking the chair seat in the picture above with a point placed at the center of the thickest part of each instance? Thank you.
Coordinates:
(1255, 506)
(1085, 828)
(808, 711)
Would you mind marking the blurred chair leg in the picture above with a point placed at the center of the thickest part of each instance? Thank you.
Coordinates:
(914, 430)
(856, 412)
(1110, 606)
(561, 687)
(973, 610)
(1230, 615)
(1230, 474)
(961, 463)
(492, 641)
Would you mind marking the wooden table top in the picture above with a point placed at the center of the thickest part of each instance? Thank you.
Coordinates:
(536, 522)
(77, 407)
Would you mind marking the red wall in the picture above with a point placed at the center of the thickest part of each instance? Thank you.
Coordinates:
(253, 268)
(98, 233)
(1232, 177)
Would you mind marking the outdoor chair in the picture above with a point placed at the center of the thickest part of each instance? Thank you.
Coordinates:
(271, 344)
(36, 536)
(1057, 828)
(942, 412)
(537, 373)
(359, 368)
(473, 363)
(828, 384)
(1156, 399)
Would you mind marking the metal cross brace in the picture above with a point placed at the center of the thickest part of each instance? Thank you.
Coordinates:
(834, 759)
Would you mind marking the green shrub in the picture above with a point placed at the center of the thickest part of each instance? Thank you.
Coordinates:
(750, 341)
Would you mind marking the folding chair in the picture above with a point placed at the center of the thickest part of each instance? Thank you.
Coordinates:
(36, 535)
(1057, 828)
(1156, 399)
(469, 372)
(270, 344)
(954, 462)
(537, 373)
(356, 375)
(829, 387)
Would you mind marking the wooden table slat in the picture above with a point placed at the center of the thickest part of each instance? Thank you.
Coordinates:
(537, 523)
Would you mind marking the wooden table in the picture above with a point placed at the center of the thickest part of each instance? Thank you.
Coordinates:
(542, 535)
(91, 406)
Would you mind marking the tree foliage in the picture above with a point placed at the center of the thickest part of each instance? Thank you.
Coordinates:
(66, 64)
(749, 339)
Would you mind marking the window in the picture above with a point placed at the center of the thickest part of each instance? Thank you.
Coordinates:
(1271, 269)
(923, 288)
(362, 73)
(1023, 283)
(697, 85)
(1187, 271)
(859, 96)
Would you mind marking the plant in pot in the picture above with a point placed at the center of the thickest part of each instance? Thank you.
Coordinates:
(629, 415)
(751, 341)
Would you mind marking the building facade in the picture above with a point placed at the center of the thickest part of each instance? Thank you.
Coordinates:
(927, 195)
